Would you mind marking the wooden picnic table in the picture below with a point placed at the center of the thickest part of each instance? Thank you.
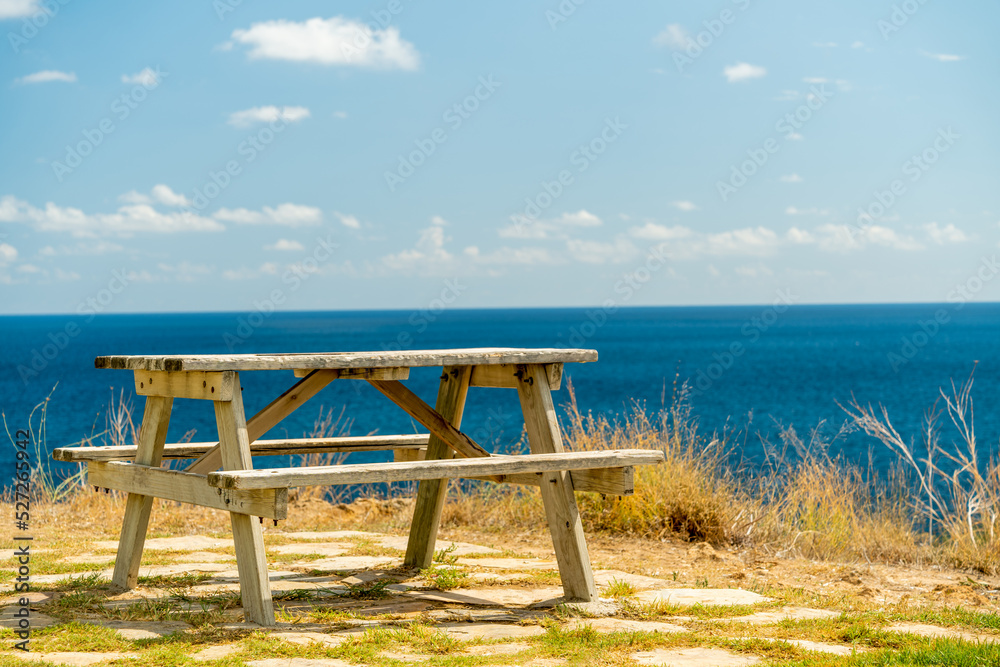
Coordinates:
(247, 493)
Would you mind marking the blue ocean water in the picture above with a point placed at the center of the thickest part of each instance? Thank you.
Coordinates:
(750, 368)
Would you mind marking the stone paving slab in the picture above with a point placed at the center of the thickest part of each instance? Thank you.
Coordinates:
(460, 548)
(140, 629)
(37, 619)
(823, 647)
(626, 625)
(404, 657)
(348, 563)
(694, 657)
(470, 631)
(488, 596)
(329, 535)
(299, 662)
(72, 658)
(307, 638)
(313, 548)
(215, 652)
(497, 649)
(203, 557)
(186, 543)
(924, 630)
(524, 564)
(639, 582)
(686, 597)
(784, 614)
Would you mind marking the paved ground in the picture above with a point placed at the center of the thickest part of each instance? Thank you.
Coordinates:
(333, 588)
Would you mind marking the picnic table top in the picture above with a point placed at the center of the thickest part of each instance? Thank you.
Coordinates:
(321, 360)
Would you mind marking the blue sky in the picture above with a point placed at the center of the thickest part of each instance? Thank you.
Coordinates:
(301, 155)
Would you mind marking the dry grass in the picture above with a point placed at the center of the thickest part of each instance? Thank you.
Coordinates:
(939, 508)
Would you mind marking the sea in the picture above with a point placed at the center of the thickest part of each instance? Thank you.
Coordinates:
(745, 373)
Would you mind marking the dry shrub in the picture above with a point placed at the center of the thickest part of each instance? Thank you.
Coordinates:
(691, 495)
(825, 507)
(958, 489)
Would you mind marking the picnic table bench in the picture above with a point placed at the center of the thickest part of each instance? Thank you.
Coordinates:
(247, 493)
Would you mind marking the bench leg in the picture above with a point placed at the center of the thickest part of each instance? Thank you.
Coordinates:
(432, 492)
(557, 488)
(152, 436)
(234, 445)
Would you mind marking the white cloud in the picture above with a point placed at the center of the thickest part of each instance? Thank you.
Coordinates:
(943, 57)
(743, 72)
(685, 206)
(99, 247)
(289, 215)
(8, 253)
(794, 136)
(15, 9)
(753, 270)
(842, 238)
(168, 197)
(825, 45)
(133, 197)
(790, 178)
(185, 271)
(674, 36)
(333, 41)
(799, 236)
(596, 252)
(814, 79)
(48, 75)
(285, 244)
(947, 234)
(429, 254)
(128, 220)
(146, 77)
(529, 255)
(251, 117)
(340, 114)
(550, 228)
(858, 45)
(654, 232)
(748, 241)
(348, 221)
(787, 96)
(791, 210)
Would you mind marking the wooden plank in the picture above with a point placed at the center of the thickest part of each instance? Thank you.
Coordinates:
(186, 487)
(431, 419)
(267, 418)
(431, 494)
(503, 375)
(152, 436)
(211, 386)
(363, 373)
(368, 473)
(189, 450)
(251, 561)
(375, 359)
(609, 481)
(561, 511)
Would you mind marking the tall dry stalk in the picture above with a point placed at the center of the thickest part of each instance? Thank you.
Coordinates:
(959, 488)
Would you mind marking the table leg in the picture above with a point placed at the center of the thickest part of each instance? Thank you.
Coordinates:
(234, 445)
(557, 487)
(432, 492)
(149, 452)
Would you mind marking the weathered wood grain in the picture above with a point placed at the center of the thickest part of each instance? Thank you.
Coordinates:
(435, 469)
(504, 375)
(431, 419)
(248, 538)
(268, 417)
(185, 487)
(544, 438)
(152, 436)
(189, 450)
(211, 386)
(431, 493)
(392, 373)
(377, 359)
